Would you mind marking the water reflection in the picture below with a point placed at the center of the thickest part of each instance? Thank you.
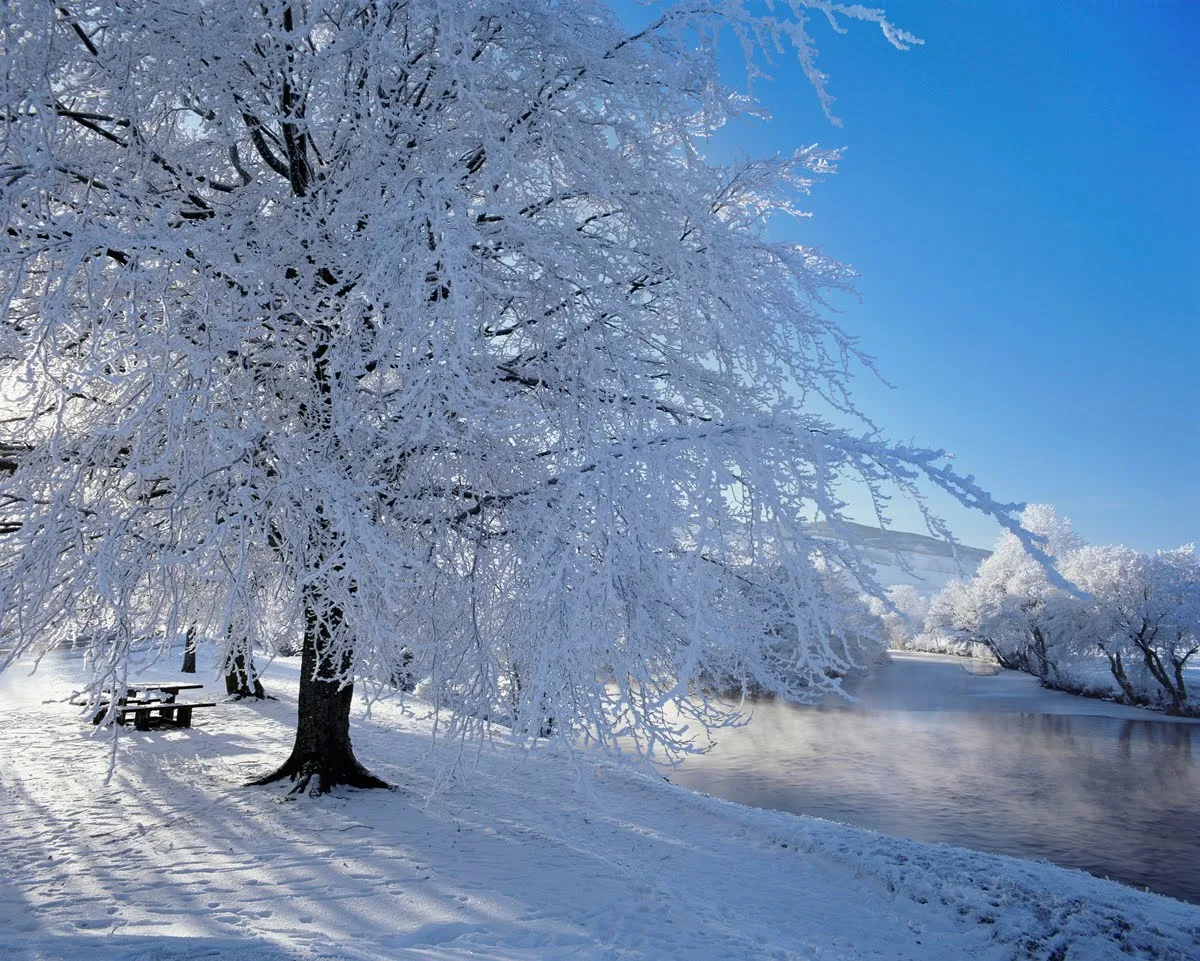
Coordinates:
(1114, 796)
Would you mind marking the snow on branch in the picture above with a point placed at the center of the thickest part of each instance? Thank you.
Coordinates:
(424, 336)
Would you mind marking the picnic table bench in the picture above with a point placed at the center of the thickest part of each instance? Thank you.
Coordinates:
(145, 699)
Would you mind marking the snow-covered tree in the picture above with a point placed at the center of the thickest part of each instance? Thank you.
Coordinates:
(952, 623)
(901, 612)
(1142, 612)
(425, 331)
(1014, 588)
(1003, 607)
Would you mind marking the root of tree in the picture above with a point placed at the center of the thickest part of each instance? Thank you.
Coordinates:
(314, 776)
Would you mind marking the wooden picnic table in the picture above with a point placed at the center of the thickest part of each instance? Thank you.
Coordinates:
(170, 688)
(145, 698)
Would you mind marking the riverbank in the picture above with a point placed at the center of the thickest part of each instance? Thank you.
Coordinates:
(1005, 691)
(483, 852)
(1087, 681)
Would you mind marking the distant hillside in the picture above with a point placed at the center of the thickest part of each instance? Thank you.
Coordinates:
(933, 563)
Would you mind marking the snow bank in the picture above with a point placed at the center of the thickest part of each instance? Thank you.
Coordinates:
(483, 853)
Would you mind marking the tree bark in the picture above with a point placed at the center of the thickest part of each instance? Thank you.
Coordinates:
(1178, 664)
(1017, 661)
(189, 652)
(1154, 664)
(241, 680)
(1045, 667)
(1118, 672)
(322, 757)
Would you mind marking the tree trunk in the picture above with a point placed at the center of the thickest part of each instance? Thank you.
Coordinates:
(1171, 682)
(1044, 666)
(241, 680)
(1017, 661)
(1118, 672)
(1178, 664)
(322, 756)
(189, 652)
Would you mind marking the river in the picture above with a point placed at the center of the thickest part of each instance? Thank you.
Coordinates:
(934, 752)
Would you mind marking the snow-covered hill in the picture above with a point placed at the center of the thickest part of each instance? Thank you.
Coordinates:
(930, 563)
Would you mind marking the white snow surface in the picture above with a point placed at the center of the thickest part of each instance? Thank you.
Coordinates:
(478, 853)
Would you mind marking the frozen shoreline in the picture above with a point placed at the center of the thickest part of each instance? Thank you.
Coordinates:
(486, 852)
(960, 688)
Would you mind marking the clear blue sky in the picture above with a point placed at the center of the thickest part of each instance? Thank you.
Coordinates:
(1020, 198)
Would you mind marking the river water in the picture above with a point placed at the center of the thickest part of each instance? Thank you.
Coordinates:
(935, 753)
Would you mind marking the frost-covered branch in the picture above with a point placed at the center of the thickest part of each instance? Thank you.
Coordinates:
(425, 332)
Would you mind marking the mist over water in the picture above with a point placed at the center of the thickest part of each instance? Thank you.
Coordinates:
(996, 764)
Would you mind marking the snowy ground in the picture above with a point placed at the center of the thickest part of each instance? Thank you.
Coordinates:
(518, 858)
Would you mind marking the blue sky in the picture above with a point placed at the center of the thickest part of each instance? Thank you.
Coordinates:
(1020, 198)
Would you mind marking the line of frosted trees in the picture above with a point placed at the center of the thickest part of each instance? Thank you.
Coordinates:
(1105, 621)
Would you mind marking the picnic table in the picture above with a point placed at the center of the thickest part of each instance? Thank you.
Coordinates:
(169, 688)
(145, 699)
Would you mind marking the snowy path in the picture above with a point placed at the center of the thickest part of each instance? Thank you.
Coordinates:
(175, 860)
